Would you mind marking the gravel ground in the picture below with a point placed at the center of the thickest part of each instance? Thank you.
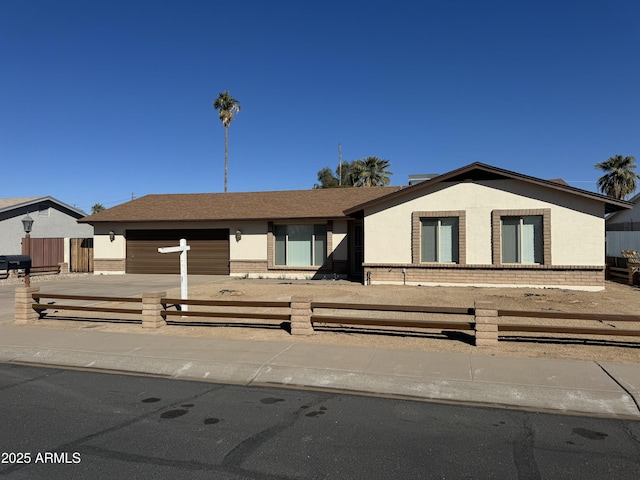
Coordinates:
(616, 298)
(13, 279)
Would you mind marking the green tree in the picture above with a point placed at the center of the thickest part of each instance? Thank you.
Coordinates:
(619, 179)
(327, 179)
(368, 172)
(350, 173)
(227, 106)
(372, 172)
(98, 207)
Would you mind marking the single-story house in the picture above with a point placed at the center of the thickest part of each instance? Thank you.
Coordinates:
(52, 219)
(477, 225)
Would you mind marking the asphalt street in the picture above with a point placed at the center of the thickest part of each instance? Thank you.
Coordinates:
(76, 425)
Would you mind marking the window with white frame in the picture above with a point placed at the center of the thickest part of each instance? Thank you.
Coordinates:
(522, 240)
(439, 238)
(300, 245)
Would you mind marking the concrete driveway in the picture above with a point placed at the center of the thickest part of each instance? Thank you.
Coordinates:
(106, 285)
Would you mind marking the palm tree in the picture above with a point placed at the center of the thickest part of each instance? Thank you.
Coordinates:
(228, 107)
(372, 172)
(98, 207)
(619, 179)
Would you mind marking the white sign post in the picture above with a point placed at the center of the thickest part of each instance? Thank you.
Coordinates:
(182, 248)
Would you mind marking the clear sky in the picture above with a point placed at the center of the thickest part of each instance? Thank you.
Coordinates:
(102, 100)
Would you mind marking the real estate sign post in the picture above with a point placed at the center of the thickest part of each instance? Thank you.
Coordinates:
(182, 248)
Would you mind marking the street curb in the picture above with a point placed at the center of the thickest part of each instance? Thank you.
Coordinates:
(553, 399)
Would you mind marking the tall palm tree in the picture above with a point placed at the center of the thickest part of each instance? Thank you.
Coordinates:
(619, 179)
(372, 172)
(228, 107)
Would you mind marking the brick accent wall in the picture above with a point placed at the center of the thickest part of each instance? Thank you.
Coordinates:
(259, 267)
(535, 275)
(248, 266)
(271, 245)
(109, 265)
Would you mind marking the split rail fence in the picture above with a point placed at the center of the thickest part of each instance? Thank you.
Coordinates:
(302, 316)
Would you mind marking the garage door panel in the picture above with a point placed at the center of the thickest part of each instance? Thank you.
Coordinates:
(209, 253)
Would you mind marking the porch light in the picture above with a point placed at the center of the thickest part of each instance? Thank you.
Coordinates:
(238, 235)
(27, 223)
(112, 235)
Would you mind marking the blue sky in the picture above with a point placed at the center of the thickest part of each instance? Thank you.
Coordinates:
(100, 100)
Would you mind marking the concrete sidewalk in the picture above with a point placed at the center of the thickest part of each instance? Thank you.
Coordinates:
(542, 384)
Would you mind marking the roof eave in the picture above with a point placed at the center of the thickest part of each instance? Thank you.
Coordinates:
(611, 204)
(201, 220)
(35, 200)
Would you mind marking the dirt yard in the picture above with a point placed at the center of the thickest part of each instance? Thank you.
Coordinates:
(616, 298)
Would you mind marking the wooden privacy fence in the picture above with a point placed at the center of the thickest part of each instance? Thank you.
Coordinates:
(304, 316)
(81, 254)
(46, 254)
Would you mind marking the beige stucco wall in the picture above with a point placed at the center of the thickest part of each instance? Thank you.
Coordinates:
(103, 247)
(577, 223)
(340, 248)
(252, 245)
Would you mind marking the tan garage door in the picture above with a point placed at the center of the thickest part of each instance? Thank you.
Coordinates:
(209, 254)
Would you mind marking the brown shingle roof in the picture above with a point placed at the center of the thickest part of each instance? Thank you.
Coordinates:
(12, 202)
(288, 204)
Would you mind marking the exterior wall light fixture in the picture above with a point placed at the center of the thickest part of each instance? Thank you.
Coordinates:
(238, 235)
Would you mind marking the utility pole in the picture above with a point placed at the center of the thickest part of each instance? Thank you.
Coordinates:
(340, 165)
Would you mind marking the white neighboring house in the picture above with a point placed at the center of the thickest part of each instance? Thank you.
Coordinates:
(51, 219)
(623, 229)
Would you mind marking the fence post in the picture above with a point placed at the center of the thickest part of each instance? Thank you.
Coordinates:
(152, 310)
(486, 318)
(301, 316)
(24, 312)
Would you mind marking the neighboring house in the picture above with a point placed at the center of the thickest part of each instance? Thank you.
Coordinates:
(626, 220)
(623, 229)
(478, 225)
(51, 219)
